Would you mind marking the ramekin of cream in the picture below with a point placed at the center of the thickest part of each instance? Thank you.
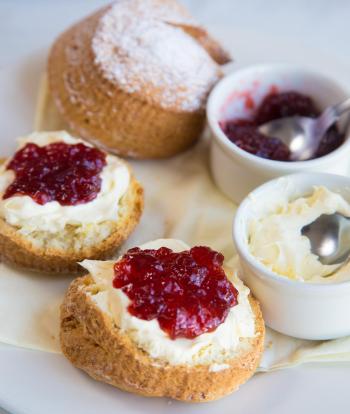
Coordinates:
(297, 295)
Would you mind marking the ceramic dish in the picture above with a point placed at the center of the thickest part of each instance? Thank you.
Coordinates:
(237, 172)
(295, 308)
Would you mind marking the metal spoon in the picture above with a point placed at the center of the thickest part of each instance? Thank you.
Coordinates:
(329, 236)
(302, 135)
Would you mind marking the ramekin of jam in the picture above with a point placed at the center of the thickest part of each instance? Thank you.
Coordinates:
(241, 157)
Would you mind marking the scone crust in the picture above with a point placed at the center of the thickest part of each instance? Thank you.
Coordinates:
(92, 342)
(16, 249)
(124, 123)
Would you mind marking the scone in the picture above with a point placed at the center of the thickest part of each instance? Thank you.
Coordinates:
(163, 321)
(134, 77)
(63, 201)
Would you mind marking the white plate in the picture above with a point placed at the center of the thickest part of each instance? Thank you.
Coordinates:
(40, 383)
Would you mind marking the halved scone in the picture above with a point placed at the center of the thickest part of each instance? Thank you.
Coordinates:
(63, 201)
(113, 334)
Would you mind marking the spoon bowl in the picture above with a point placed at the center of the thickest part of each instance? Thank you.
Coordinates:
(329, 237)
(297, 133)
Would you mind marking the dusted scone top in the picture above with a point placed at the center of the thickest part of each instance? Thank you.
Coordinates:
(140, 46)
(213, 348)
(22, 212)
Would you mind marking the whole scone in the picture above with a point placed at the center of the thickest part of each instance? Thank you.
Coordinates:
(100, 336)
(53, 235)
(134, 77)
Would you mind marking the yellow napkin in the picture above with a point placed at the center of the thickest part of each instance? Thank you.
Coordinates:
(181, 201)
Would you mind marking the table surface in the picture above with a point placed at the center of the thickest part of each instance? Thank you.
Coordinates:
(30, 26)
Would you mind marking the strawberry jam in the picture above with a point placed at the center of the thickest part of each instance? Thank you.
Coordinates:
(244, 133)
(187, 292)
(69, 174)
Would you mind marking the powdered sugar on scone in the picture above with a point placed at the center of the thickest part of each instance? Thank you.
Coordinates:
(139, 46)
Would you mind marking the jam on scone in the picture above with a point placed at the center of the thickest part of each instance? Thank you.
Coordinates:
(187, 292)
(67, 173)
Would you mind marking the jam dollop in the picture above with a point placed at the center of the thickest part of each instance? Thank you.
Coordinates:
(244, 132)
(187, 292)
(68, 174)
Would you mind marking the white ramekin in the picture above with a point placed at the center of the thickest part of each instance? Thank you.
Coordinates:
(236, 172)
(300, 309)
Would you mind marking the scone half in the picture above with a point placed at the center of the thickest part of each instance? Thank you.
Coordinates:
(93, 342)
(58, 252)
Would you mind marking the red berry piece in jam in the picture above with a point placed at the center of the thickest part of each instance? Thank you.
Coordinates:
(244, 133)
(69, 174)
(284, 104)
(187, 292)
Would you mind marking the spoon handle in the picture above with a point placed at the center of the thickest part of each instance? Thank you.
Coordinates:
(341, 107)
(332, 113)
